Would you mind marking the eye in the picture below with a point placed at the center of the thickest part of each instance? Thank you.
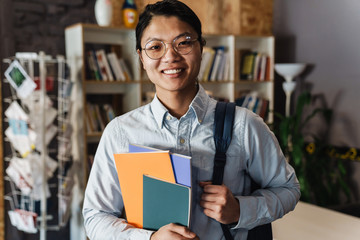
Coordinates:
(154, 46)
(185, 43)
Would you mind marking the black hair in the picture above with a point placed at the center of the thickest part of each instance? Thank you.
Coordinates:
(167, 8)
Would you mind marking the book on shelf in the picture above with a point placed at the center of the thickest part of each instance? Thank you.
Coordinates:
(97, 116)
(115, 65)
(224, 68)
(109, 112)
(268, 69)
(219, 53)
(93, 67)
(227, 67)
(165, 202)
(215, 64)
(91, 117)
(262, 68)
(206, 63)
(102, 69)
(254, 66)
(100, 117)
(104, 65)
(252, 101)
(239, 58)
(247, 65)
(126, 69)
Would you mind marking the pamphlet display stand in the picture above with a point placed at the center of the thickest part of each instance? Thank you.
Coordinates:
(38, 155)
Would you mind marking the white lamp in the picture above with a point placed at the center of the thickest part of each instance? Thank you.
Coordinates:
(289, 71)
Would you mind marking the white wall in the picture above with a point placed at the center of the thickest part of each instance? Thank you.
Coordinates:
(326, 34)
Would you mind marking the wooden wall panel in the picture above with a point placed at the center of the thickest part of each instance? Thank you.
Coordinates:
(240, 17)
(256, 17)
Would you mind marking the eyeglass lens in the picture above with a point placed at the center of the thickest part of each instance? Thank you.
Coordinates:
(155, 49)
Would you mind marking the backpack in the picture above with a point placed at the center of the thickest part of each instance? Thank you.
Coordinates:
(223, 125)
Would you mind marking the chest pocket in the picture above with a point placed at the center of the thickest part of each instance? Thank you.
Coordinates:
(234, 172)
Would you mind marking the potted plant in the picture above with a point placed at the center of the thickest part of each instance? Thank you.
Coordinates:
(321, 177)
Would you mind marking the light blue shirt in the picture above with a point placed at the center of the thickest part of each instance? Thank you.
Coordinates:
(254, 150)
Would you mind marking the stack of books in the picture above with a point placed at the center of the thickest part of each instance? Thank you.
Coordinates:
(156, 186)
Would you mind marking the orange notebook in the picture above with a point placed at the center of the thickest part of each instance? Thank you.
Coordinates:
(131, 167)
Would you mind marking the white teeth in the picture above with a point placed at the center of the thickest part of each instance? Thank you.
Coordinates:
(172, 71)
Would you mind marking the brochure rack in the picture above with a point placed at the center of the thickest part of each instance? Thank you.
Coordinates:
(39, 201)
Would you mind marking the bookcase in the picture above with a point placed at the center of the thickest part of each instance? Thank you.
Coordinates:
(130, 94)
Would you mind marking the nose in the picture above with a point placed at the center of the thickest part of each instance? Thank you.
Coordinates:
(170, 53)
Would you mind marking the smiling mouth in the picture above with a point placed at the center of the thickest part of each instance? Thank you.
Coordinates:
(172, 71)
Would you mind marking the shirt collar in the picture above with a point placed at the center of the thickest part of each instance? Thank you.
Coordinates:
(198, 105)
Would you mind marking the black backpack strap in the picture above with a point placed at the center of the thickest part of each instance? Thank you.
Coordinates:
(223, 124)
(262, 232)
(224, 120)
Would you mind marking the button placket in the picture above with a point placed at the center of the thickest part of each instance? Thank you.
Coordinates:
(183, 135)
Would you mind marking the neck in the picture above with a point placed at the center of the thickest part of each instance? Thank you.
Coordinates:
(178, 102)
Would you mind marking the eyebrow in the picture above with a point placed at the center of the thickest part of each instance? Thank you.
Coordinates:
(158, 39)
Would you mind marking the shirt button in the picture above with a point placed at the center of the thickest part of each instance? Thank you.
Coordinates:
(182, 141)
(200, 121)
(168, 117)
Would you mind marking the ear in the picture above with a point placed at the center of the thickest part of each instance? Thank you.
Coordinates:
(141, 58)
(202, 44)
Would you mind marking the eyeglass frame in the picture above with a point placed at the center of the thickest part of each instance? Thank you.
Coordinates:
(202, 42)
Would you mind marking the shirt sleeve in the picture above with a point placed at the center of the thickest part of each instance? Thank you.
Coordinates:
(103, 203)
(279, 189)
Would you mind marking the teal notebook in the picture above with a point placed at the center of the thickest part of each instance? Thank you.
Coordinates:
(164, 203)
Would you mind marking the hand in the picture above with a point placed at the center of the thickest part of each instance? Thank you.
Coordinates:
(219, 203)
(174, 232)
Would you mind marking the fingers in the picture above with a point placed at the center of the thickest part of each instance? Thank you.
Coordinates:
(202, 184)
(215, 193)
(181, 230)
(173, 231)
(219, 203)
(209, 188)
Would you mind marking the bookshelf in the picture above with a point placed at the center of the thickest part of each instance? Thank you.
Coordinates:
(132, 92)
(123, 96)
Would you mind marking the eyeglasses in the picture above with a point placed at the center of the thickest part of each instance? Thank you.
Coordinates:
(156, 49)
